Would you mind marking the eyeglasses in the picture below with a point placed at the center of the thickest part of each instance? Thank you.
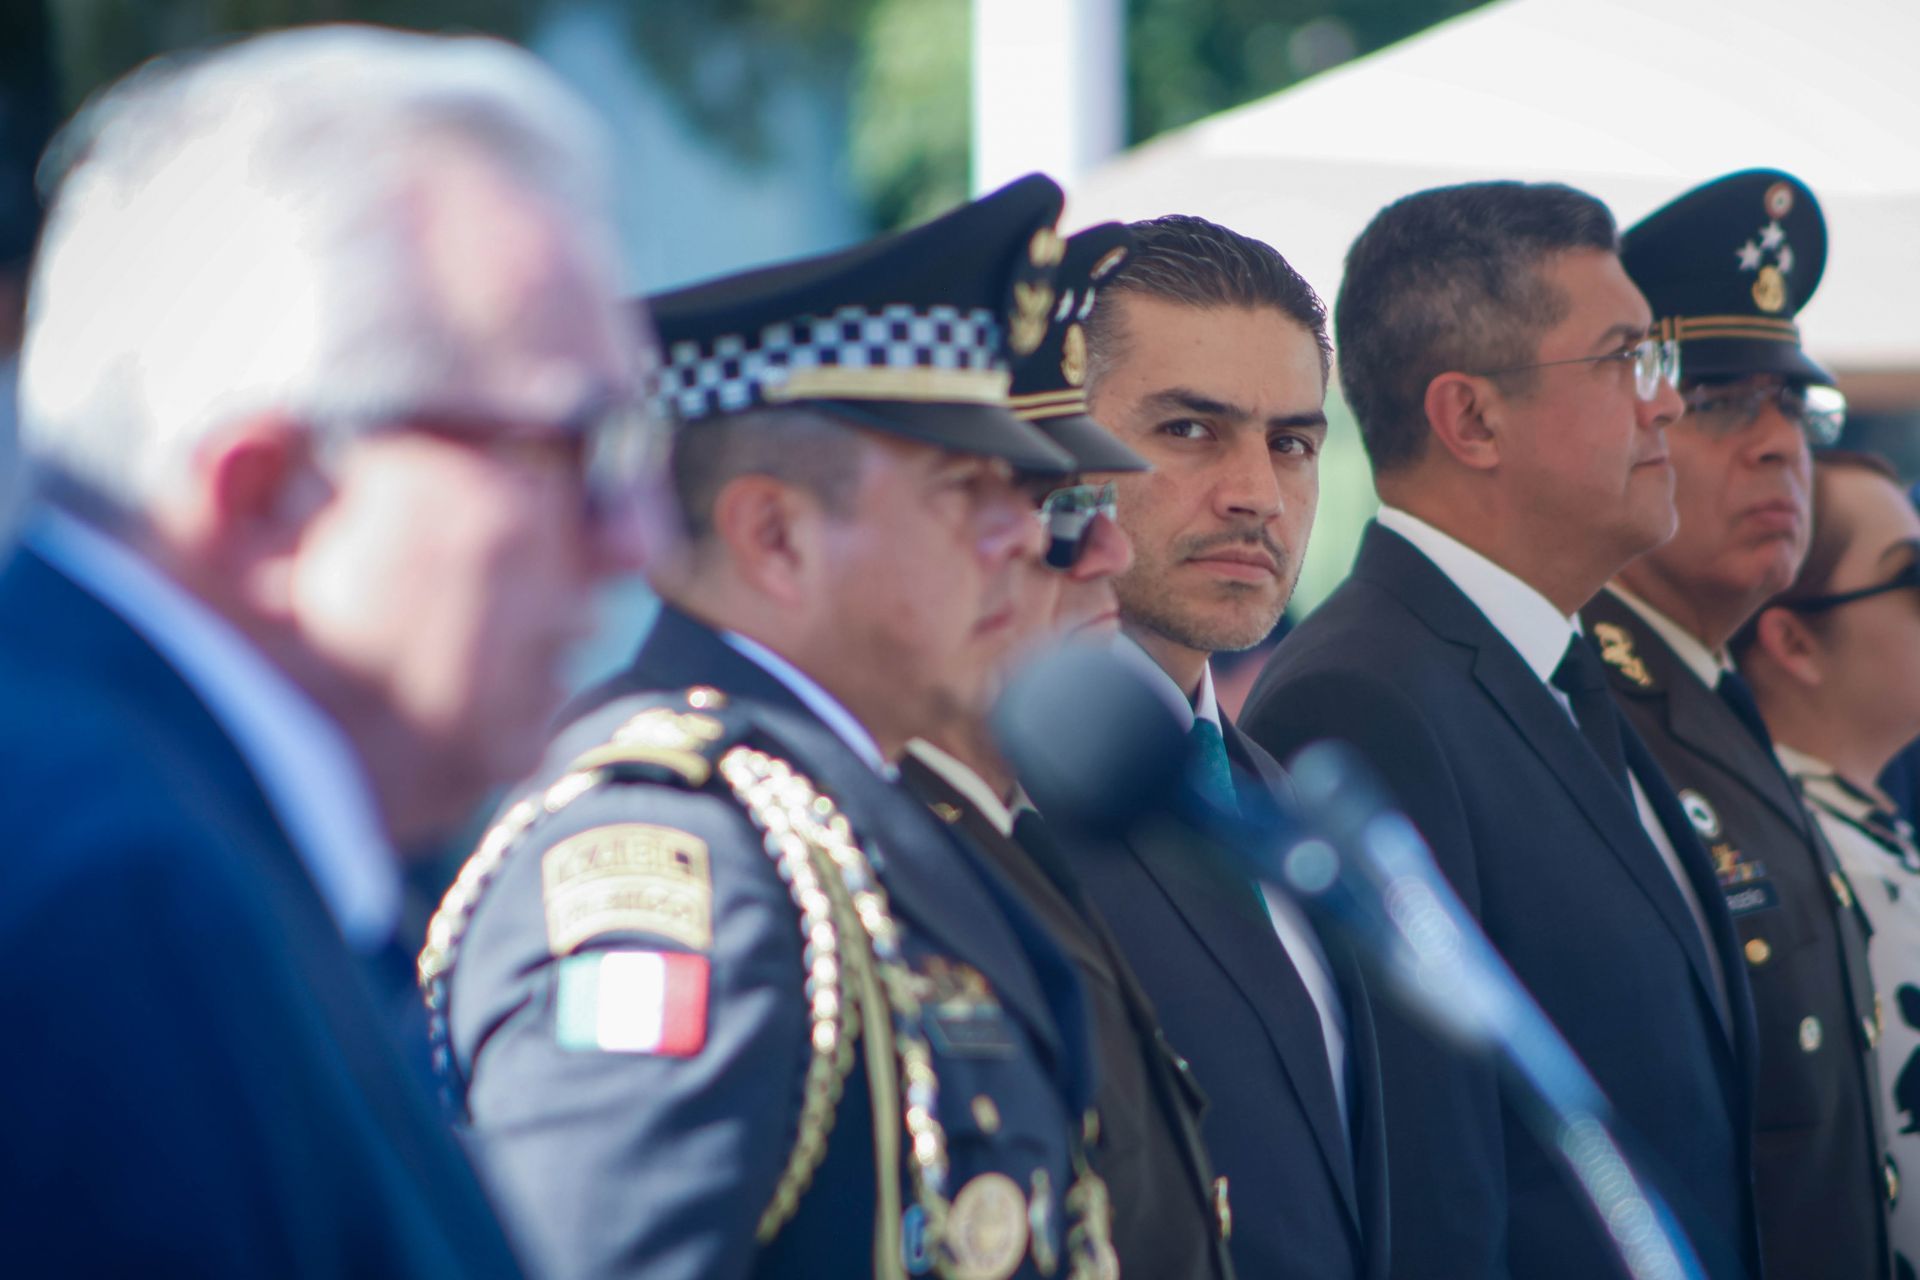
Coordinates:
(1907, 577)
(1654, 360)
(613, 443)
(1068, 514)
(1721, 409)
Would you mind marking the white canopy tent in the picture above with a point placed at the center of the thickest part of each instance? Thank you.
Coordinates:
(1633, 100)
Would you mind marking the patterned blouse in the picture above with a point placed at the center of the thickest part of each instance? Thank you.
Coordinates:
(1878, 851)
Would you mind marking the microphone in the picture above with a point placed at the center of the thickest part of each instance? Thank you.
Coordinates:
(1360, 869)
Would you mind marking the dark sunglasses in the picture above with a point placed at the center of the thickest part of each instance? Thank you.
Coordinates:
(1907, 577)
(1068, 514)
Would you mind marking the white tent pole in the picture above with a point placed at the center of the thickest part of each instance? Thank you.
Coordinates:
(1048, 87)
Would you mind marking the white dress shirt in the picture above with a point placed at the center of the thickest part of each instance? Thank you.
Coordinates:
(815, 699)
(1297, 937)
(305, 766)
(1540, 633)
(960, 775)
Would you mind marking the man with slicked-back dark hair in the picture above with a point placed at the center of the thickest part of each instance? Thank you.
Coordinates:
(1514, 403)
(1209, 358)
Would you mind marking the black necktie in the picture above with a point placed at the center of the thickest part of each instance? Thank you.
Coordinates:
(1738, 695)
(1031, 834)
(1583, 678)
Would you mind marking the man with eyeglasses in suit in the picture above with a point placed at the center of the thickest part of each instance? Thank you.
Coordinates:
(1514, 401)
(1726, 267)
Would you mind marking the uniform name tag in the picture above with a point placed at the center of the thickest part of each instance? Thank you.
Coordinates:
(1752, 897)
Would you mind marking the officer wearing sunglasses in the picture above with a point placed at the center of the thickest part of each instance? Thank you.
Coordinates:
(1148, 1150)
(1726, 268)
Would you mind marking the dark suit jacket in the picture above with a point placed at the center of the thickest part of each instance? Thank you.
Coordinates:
(1149, 1152)
(1230, 1000)
(197, 1079)
(1820, 1182)
(636, 1164)
(1548, 852)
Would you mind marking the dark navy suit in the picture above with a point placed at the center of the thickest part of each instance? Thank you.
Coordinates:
(638, 1164)
(1549, 853)
(1303, 1203)
(197, 1078)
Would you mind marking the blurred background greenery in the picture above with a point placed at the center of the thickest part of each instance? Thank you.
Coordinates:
(902, 65)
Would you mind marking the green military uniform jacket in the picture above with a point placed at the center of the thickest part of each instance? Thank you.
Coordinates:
(1820, 1170)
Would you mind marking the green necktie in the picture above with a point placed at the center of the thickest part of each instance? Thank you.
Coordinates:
(1207, 765)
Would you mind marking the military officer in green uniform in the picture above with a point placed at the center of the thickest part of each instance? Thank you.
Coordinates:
(1725, 268)
(718, 998)
(1167, 1213)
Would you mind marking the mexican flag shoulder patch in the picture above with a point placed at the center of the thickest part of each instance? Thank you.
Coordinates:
(652, 1002)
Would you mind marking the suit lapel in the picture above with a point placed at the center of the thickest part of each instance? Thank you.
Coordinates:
(1198, 882)
(1396, 566)
(930, 879)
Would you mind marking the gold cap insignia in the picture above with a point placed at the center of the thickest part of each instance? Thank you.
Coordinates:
(1046, 248)
(1073, 356)
(1616, 650)
(1770, 289)
(1031, 303)
(1779, 199)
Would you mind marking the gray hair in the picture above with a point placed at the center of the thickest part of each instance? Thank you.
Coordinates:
(276, 227)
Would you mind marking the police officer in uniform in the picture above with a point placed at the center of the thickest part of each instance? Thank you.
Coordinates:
(1166, 1214)
(719, 999)
(1725, 268)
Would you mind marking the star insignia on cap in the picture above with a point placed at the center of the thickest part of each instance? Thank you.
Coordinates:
(1771, 236)
(1750, 254)
(1785, 258)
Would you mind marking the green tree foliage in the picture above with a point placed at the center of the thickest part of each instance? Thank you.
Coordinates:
(902, 63)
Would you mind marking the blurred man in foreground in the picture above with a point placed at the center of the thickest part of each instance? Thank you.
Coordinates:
(1148, 1150)
(1209, 358)
(1514, 403)
(725, 1001)
(320, 344)
(1725, 268)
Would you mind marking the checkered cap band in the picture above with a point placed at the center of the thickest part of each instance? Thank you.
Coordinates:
(737, 373)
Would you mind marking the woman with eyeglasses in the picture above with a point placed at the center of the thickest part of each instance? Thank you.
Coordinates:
(1834, 662)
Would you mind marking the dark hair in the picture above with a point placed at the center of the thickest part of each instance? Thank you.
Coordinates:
(1188, 260)
(1827, 541)
(1448, 279)
(809, 450)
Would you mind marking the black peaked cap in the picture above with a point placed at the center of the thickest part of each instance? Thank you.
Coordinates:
(912, 334)
(1727, 267)
(1050, 385)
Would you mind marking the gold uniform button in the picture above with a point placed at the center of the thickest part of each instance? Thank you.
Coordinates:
(1840, 889)
(985, 1114)
(1809, 1034)
(1759, 951)
(1893, 1180)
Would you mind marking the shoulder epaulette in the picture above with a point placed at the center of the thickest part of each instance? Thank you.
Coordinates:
(677, 741)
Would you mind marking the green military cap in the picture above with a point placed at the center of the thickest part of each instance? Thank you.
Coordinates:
(1727, 267)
